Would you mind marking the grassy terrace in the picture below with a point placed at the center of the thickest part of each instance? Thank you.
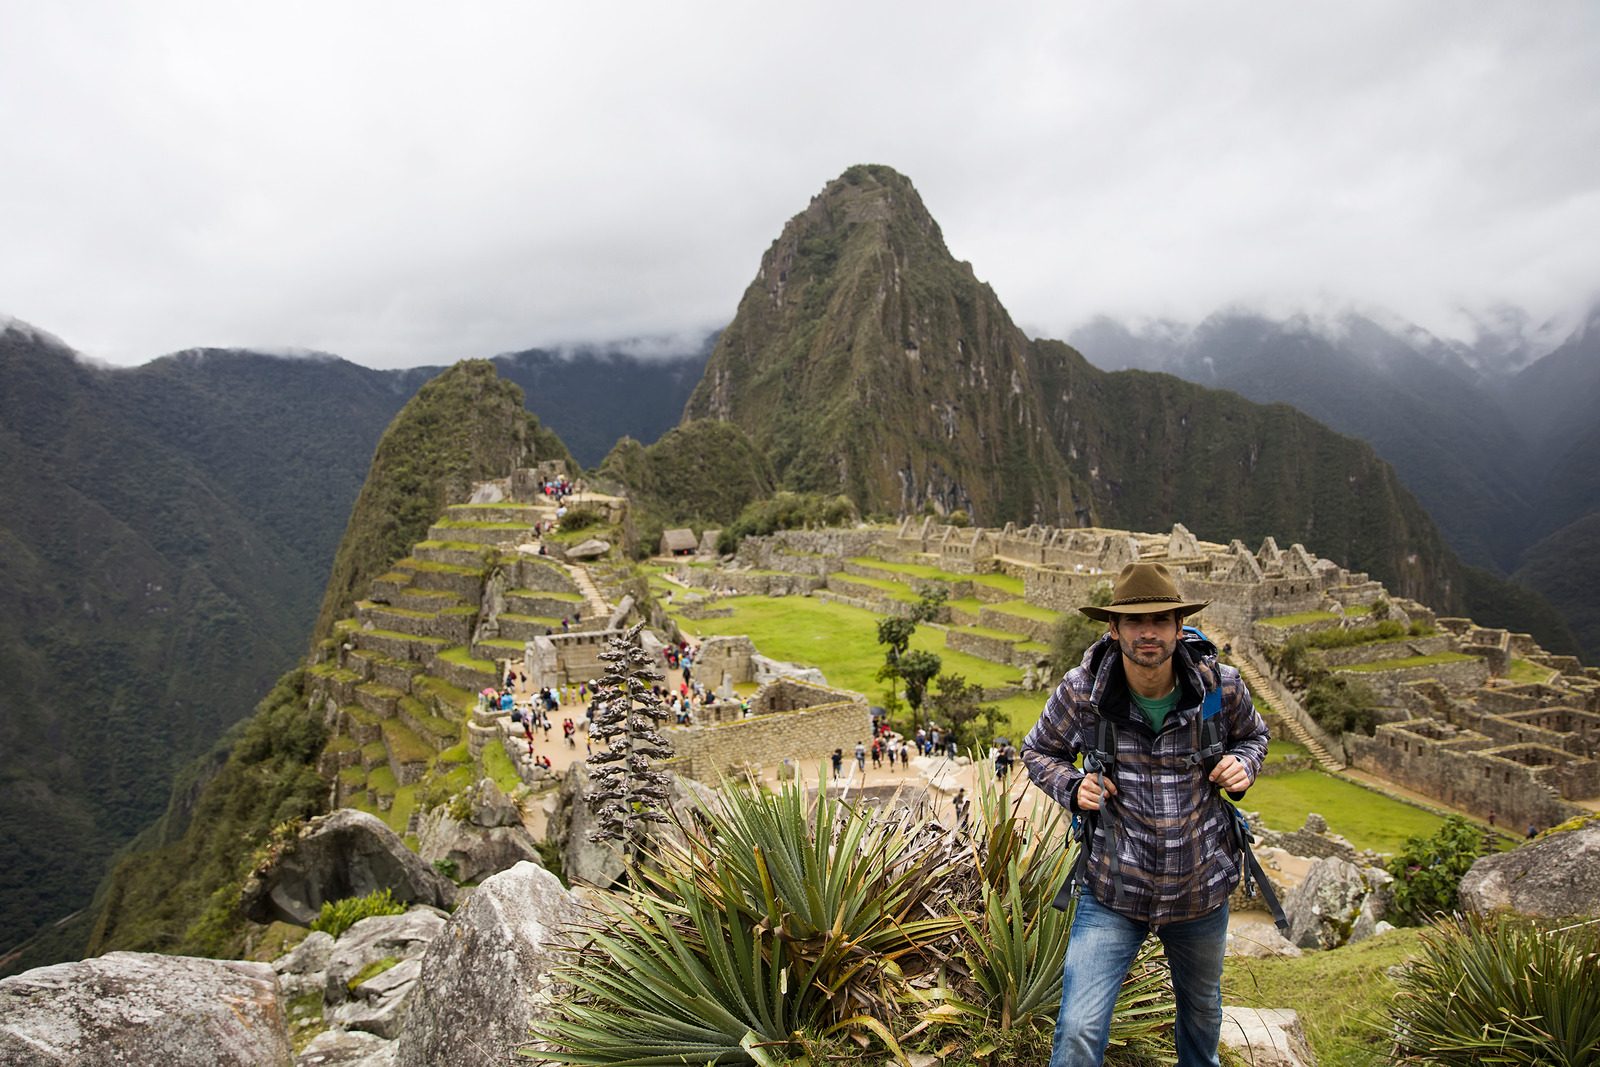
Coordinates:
(1025, 610)
(1523, 670)
(1306, 617)
(559, 594)
(447, 693)
(462, 657)
(1407, 661)
(497, 765)
(443, 568)
(481, 524)
(896, 590)
(436, 642)
(406, 613)
(534, 620)
(458, 546)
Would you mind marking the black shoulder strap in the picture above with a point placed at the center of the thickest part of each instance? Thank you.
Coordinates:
(1100, 760)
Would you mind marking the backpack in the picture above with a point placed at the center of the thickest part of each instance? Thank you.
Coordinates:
(1102, 759)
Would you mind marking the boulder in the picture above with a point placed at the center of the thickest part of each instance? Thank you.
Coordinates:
(300, 970)
(1324, 907)
(598, 863)
(1554, 876)
(137, 1009)
(476, 851)
(346, 853)
(1266, 1037)
(484, 978)
(378, 1005)
(586, 862)
(346, 1048)
(491, 806)
(1260, 941)
(380, 937)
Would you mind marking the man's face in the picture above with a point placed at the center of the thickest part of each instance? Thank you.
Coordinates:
(1147, 639)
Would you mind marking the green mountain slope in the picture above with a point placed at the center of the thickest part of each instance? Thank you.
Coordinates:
(175, 889)
(162, 548)
(865, 359)
(466, 425)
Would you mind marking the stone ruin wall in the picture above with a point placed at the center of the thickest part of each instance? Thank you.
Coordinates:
(806, 731)
(1313, 840)
(1467, 770)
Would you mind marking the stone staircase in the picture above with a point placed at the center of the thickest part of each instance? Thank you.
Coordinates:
(1268, 693)
(594, 604)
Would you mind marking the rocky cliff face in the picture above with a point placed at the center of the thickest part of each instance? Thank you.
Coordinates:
(866, 359)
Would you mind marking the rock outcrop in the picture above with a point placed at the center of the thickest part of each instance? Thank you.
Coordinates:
(1324, 909)
(137, 1009)
(347, 853)
(491, 839)
(346, 1048)
(1266, 1037)
(1551, 877)
(378, 1004)
(484, 978)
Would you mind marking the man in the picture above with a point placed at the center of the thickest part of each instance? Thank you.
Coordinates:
(1170, 862)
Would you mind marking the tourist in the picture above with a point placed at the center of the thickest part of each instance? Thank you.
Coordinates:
(1174, 865)
(838, 762)
(861, 756)
(567, 730)
(905, 756)
(877, 752)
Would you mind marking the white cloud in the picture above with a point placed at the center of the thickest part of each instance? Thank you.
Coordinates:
(401, 183)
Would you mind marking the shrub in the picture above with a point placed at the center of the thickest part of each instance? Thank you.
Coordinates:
(339, 915)
(1428, 871)
(1341, 705)
(581, 518)
(1501, 990)
(786, 511)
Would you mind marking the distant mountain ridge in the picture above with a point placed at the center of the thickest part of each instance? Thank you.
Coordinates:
(1503, 462)
(865, 359)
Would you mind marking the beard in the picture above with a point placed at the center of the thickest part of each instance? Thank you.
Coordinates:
(1148, 652)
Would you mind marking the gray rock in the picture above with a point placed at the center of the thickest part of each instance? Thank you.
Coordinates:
(300, 970)
(346, 1048)
(1551, 877)
(346, 853)
(404, 937)
(137, 1009)
(484, 978)
(491, 807)
(1260, 942)
(379, 1004)
(596, 863)
(1266, 1037)
(1324, 907)
(476, 850)
(593, 548)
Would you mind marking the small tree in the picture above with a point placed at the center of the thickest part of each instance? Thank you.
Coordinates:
(1341, 705)
(896, 633)
(630, 790)
(1428, 870)
(930, 599)
(959, 707)
(916, 668)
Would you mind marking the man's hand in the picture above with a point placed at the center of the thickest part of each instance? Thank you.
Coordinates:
(1090, 792)
(1230, 773)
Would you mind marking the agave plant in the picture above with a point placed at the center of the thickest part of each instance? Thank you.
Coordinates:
(1009, 972)
(1501, 990)
(780, 918)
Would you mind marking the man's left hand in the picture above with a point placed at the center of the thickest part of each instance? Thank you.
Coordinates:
(1231, 774)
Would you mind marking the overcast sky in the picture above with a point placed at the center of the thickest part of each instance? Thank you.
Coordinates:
(403, 183)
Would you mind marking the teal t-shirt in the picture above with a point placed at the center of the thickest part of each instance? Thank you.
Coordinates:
(1156, 710)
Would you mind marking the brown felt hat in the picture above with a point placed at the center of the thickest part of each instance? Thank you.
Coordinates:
(1142, 588)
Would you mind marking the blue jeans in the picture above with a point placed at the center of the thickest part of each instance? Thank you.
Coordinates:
(1099, 953)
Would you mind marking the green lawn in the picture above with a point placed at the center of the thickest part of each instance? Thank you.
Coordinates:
(1338, 994)
(897, 590)
(1025, 610)
(840, 640)
(912, 570)
(1365, 818)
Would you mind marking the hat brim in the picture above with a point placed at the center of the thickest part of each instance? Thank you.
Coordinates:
(1110, 611)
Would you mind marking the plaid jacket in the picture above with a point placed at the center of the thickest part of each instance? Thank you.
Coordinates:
(1177, 861)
